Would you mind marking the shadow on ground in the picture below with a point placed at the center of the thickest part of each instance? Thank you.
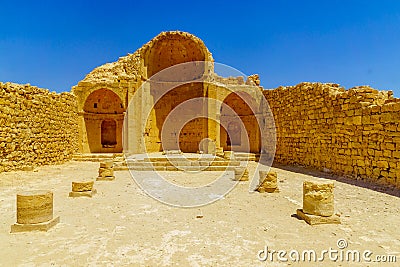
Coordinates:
(390, 190)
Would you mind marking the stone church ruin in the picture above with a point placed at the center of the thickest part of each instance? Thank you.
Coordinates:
(352, 132)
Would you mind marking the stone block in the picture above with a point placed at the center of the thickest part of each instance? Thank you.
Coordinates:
(34, 207)
(106, 172)
(219, 152)
(268, 182)
(105, 178)
(28, 168)
(106, 164)
(318, 198)
(82, 186)
(90, 193)
(43, 226)
(172, 152)
(382, 164)
(241, 173)
(229, 155)
(314, 219)
(34, 211)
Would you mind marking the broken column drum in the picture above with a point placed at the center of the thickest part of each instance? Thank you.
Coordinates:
(84, 188)
(106, 171)
(318, 198)
(34, 211)
(268, 182)
(318, 203)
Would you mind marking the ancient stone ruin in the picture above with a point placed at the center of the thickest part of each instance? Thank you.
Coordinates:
(34, 211)
(106, 171)
(82, 189)
(318, 204)
(268, 182)
(352, 132)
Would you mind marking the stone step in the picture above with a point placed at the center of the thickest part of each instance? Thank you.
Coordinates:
(241, 156)
(163, 168)
(97, 157)
(246, 159)
(179, 163)
(225, 163)
(163, 159)
(173, 168)
(91, 159)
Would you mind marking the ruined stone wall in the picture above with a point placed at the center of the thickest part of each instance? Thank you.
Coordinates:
(354, 132)
(37, 127)
(191, 133)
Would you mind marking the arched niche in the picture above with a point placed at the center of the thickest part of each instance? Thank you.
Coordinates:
(103, 101)
(172, 49)
(103, 114)
(234, 136)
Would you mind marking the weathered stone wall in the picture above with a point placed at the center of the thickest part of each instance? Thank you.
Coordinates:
(354, 132)
(37, 127)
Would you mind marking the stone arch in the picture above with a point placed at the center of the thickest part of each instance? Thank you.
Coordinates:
(103, 101)
(103, 115)
(172, 48)
(233, 138)
(163, 107)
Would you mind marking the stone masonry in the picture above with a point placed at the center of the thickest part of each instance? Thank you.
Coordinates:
(37, 127)
(353, 132)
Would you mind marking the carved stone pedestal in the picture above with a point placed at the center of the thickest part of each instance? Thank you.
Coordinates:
(34, 211)
(318, 205)
(82, 189)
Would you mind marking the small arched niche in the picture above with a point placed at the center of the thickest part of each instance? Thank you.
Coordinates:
(103, 101)
(103, 122)
(242, 135)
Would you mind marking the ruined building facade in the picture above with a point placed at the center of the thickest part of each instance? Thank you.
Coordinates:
(103, 97)
(354, 132)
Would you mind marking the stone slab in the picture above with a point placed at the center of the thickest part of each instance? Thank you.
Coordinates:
(83, 193)
(107, 178)
(82, 186)
(28, 168)
(314, 219)
(104, 172)
(44, 226)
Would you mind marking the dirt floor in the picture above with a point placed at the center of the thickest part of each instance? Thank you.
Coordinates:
(122, 226)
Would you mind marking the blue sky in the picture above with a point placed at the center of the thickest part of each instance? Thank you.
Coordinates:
(54, 44)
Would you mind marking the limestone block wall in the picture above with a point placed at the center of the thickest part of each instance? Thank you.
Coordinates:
(353, 132)
(191, 133)
(37, 127)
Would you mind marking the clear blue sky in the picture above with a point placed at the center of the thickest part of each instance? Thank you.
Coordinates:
(54, 44)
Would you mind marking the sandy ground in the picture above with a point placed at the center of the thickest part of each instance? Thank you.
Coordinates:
(122, 226)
